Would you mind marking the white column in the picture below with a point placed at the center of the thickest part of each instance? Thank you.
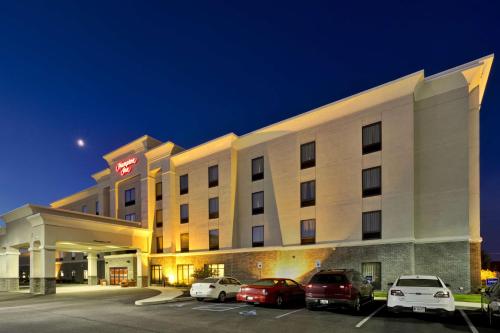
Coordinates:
(92, 269)
(142, 269)
(9, 269)
(42, 269)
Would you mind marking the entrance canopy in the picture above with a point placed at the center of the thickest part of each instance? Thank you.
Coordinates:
(45, 230)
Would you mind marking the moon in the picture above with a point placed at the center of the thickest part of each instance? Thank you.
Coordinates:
(80, 143)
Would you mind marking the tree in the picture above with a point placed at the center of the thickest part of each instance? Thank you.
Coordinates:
(202, 273)
(485, 260)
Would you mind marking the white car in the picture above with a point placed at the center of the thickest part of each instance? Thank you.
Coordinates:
(218, 288)
(420, 293)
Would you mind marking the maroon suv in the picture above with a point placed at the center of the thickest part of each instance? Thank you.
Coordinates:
(338, 288)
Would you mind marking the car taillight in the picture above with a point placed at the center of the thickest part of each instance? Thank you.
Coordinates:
(342, 286)
(264, 292)
(309, 286)
(397, 293)
(211, 286)
(442, 294)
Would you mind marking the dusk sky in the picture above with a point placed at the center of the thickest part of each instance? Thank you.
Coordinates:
(111, 71)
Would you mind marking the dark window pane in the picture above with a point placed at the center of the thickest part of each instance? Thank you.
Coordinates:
(159, 244)
(213, 176)
(257, 203)
(372, 225)
(130, 197)
(159, 191)
(308, 231)
(213, 208)
(372, 138)
(184, 213)
(308, 155)
(258, 236)
(372, 182)
(258, 168)
(308, 193)
(213, 239)
(159, 218)
(183, 184)
(185, 242)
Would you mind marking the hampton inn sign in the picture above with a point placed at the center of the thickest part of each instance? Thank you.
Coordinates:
(125, 167)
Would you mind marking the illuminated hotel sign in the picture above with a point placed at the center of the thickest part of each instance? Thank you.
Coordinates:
(125, 167)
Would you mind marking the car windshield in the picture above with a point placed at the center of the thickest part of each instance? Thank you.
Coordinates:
(268, 283)
(328, 278)
(209, 280)
(434, 283)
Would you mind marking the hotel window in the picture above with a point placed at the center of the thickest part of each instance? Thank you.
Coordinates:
(372, 138)
(372, 225)
(308, 155)
(213, 239)
(97, 208)
(372, 182)
(183, 184)
(73, 255)
(130, 217)
(213, 208)
(308, 193)
(308, 231)
(217, 270)
(184, 274)
(130, 197)
(184, 213)
(258, 236)
(156, 274)
(258, 168)
(84, 209)
(258, 203)
(159, 218)
(159, 244)
(372, 271)
(185, 242)
(213, 176)
(159, 191)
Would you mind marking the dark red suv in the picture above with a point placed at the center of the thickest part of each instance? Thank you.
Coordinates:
(338, 288)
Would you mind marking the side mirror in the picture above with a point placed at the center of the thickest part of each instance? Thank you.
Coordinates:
(447, 285)
(390, 284)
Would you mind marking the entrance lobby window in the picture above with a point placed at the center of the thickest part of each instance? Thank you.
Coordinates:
(217, 270)
(156, 274)
(184, 273)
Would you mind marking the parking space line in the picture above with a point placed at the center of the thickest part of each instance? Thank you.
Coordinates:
(219, 308)
(473, 329)
(361, 323)
(288, 313)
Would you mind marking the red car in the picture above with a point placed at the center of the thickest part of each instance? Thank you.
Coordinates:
(275, 291)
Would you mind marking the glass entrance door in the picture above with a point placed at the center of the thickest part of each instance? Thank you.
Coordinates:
(117, 275)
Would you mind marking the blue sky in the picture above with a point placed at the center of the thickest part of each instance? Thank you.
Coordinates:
(193, 71)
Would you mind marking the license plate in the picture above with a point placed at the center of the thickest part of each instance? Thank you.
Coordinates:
(323, 301)
(418, 309)
(249, 298)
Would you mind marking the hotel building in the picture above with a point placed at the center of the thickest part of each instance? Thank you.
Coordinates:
(385, 182)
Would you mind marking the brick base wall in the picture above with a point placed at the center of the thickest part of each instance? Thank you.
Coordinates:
(475, 266)
(9, 284)
(450, 261)
(44, 286)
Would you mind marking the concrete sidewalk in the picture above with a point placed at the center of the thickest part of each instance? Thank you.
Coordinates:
(167, 295)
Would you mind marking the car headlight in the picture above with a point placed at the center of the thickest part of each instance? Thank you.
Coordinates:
(397, 293)
(442, 294)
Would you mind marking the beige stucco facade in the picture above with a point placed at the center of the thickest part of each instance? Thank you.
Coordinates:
(429, 200)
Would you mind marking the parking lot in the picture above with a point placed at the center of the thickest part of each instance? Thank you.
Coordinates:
(114, 310)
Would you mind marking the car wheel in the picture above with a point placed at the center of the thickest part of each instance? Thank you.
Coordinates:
(222, 297)
(199, 299)
(357, 304)
(310, 306)
(280, 301)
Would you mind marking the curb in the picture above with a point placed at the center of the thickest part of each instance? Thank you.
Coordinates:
(163, 301)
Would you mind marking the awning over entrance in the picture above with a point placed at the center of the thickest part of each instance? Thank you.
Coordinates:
(45, 230)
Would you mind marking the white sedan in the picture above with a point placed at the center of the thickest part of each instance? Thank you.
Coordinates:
(420, 293)
(215, 288)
